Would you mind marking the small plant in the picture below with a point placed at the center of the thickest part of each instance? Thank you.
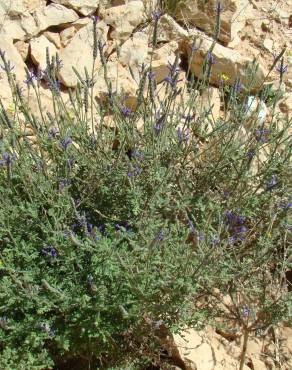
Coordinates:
(107, 233)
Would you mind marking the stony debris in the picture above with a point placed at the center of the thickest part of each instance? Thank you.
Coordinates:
(84, 7)
(78, 54)
(124, 19)
(203, 16)
(38, 47)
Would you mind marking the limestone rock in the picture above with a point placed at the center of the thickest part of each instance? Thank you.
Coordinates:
(81, 22)
(226, 61)
(134, 52)
(78, 53)
(12, 29)
(12, 55)
(122, 84)
(53, 37)
(54, 15)
(203, 16)
(162, 59)
(16, 8)
(38, 48)
(285, 105)
(256, 109)
(84, 7)
(124, 19)
(22, 48)
(191, 349)
(168, 30)
(66, 35)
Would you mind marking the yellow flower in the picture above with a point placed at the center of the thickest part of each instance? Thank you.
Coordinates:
(10, 108)
(224, 77)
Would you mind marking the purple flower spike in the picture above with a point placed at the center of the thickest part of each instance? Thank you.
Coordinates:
(157, 15)
(183, 136)
(49, 252)
(65, 142)
(160, 236)
(272, 183)
(219, 7)
(211, 58)
(126, 111)
(281, 68)
(7, 159)
(245, 312)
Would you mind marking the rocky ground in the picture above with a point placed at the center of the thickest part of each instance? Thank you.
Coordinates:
(249, 29)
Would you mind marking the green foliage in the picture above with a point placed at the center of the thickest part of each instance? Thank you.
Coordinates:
(105, 234)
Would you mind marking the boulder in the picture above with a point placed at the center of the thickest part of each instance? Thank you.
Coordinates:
(84, 7)
(122, 84)
(12, 55)
(225, 62)
(16, 8)
(66, 35)
(285, 105)
(11, 28)
(124, 19)
(163, 57)
(22, 47)
(53, 37)
(38, 47)
(78, 54)
(54, 15)
(203, 15)
(134, 52)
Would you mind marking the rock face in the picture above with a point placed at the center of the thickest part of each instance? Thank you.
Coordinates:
(124, 85)
(224, 62)
(84, 7)
(124, 19)
(54, 15)
(38, 47)
(78, 54)
(203, 15)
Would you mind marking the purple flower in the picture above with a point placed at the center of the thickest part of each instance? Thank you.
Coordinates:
(262, 135)
(63, 183)
(69, 164)
(192, 227)
(44, 327)
(238, 86)
(157, 15)
(250, 154)
(65, 142)
(183, 136)
(272, 183)
(219, 7)
(210, 58)
(151, 75)
(160, 120)
(160, 236)
(172, 68)
(245, 312)
(49, 252)
(215, 242)
(126, 111)
(30, 76)
(189, 117)
(95, 18)
(7, 159)
(285, 205)
(8, 67)
(172, 81)
(232, 219)
(136, 171)
(281, 68)
(52, 133)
